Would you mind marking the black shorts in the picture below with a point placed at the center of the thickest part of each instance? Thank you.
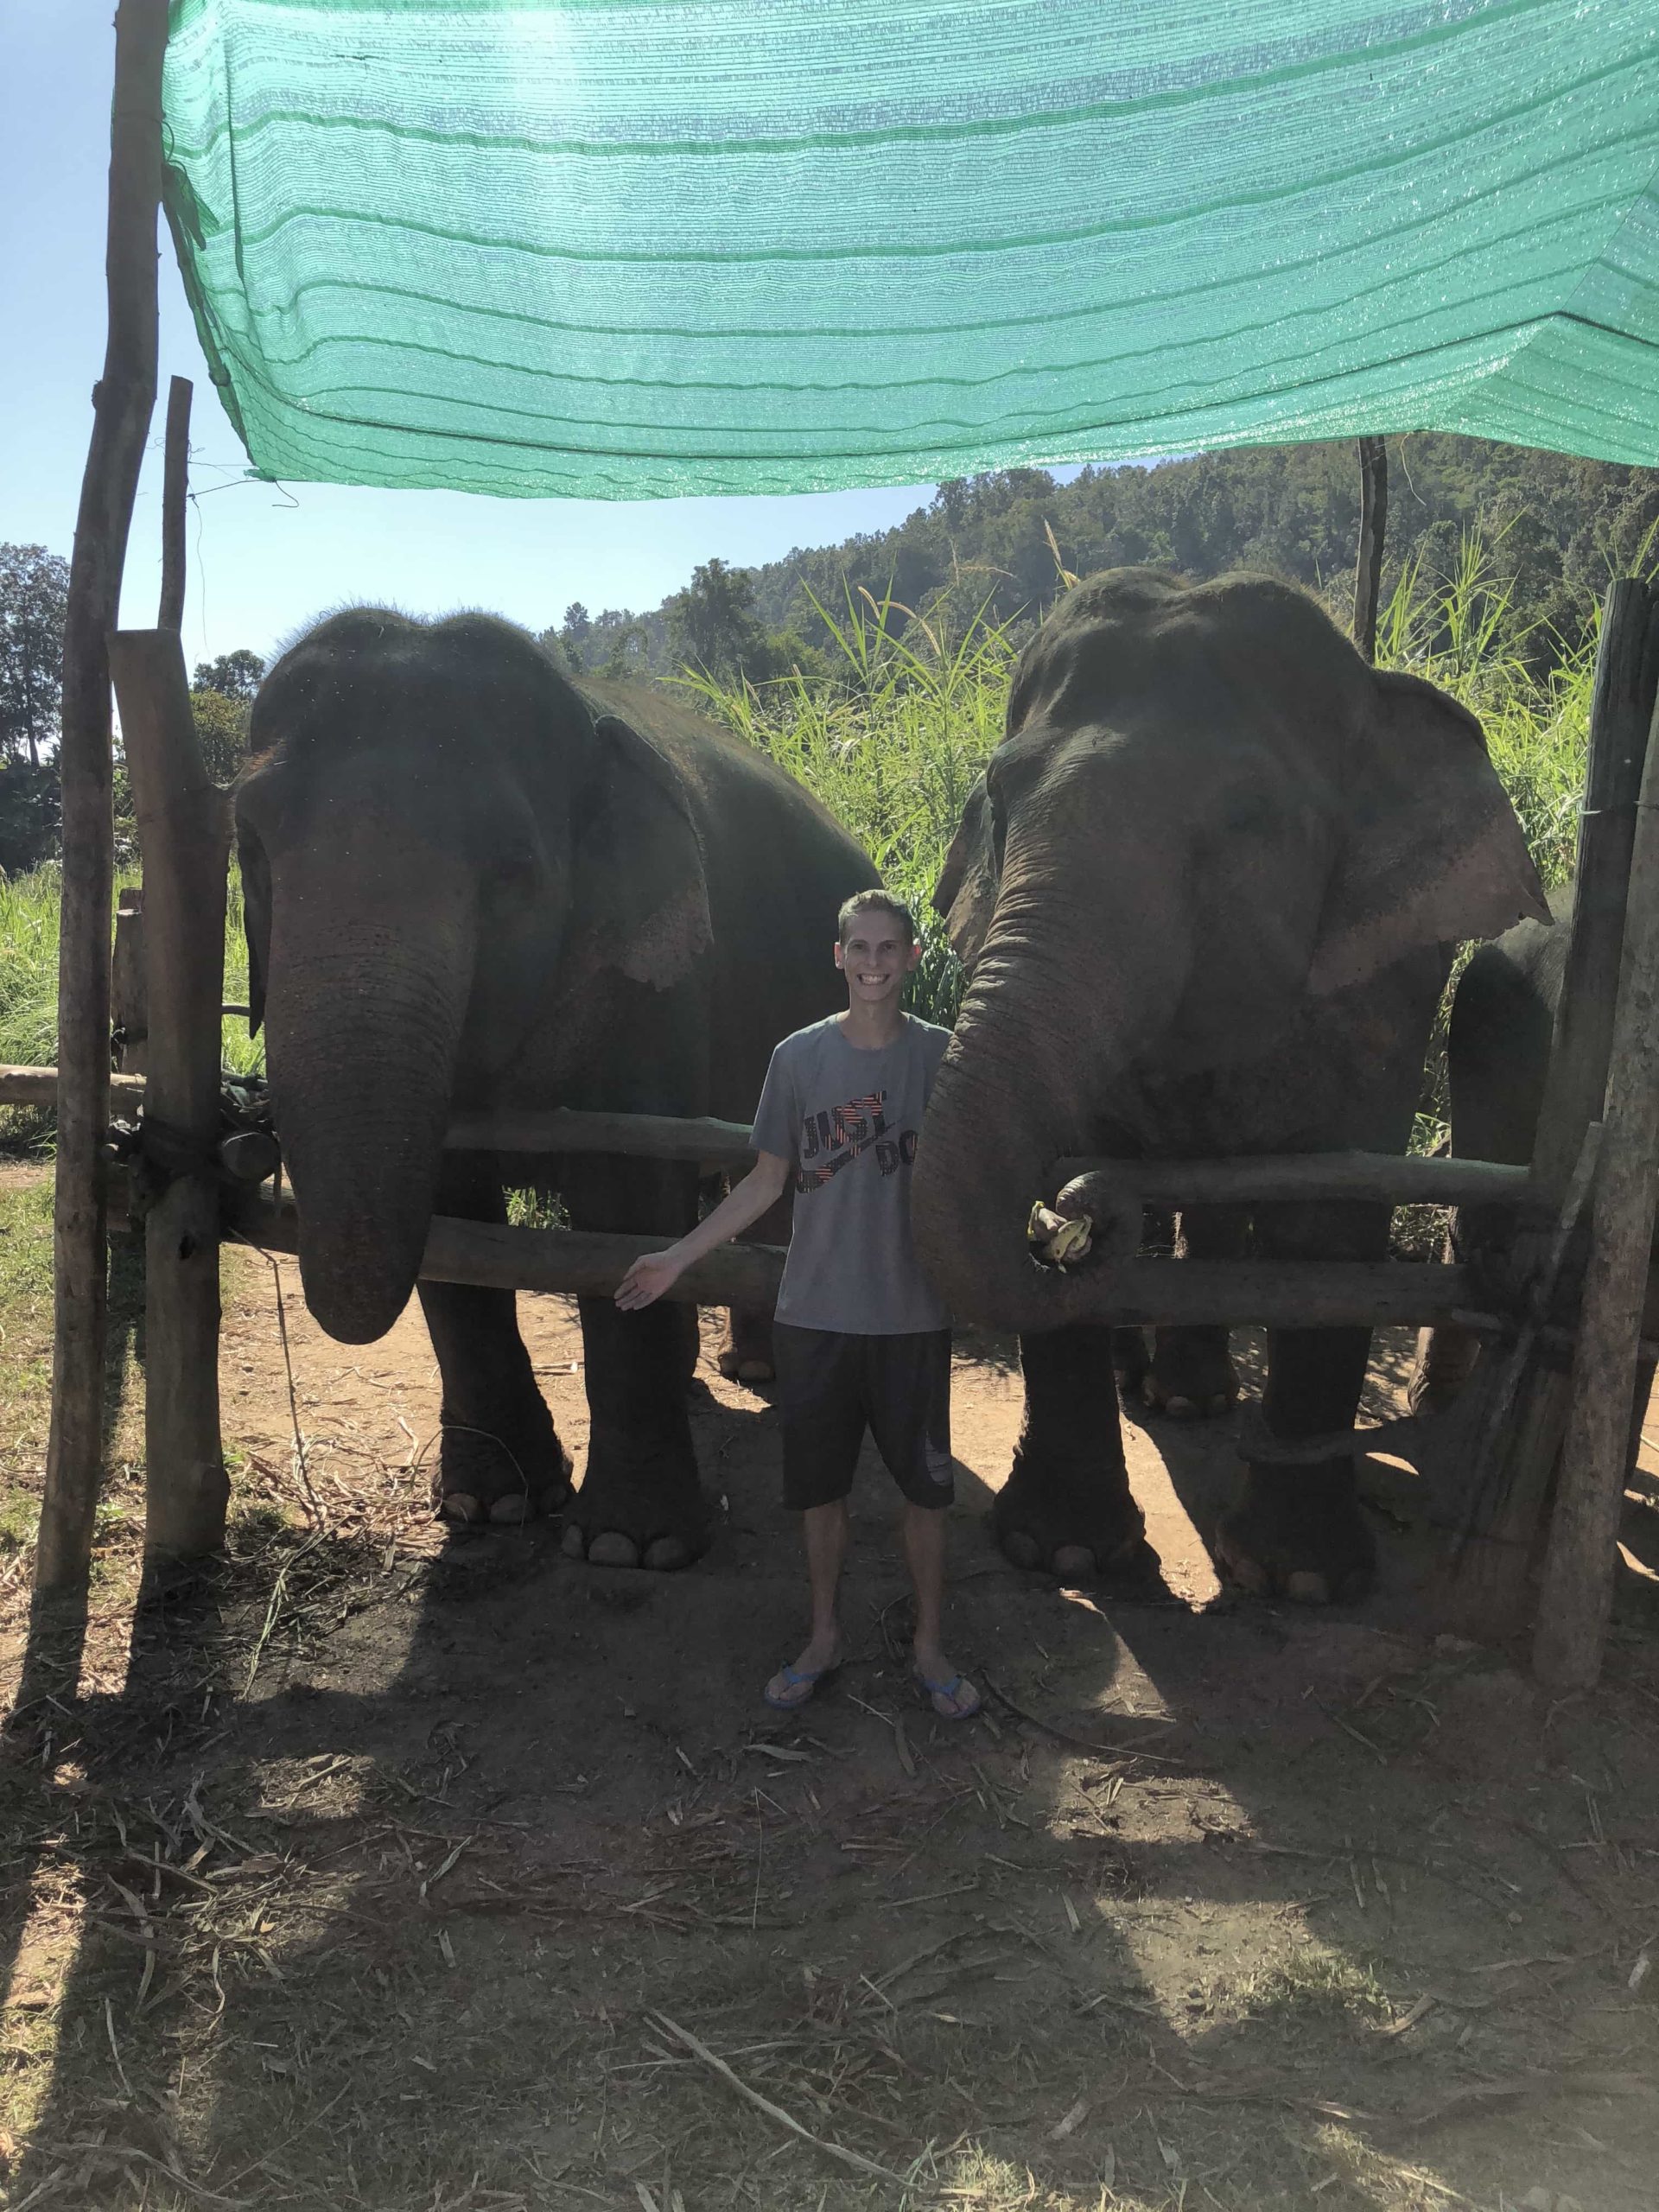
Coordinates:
(833, 1386)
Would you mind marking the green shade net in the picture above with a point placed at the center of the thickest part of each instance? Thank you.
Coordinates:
(635, 248)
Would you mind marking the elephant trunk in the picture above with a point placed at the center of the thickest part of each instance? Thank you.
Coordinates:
(1033, 1055)
(364, 1013)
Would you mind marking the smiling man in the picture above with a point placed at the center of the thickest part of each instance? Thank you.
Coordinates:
(861, 1340)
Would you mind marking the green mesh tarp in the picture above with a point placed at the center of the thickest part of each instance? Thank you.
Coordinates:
(633, 248)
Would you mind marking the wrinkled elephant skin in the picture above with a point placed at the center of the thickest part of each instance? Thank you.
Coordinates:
(1208, 890)
(472, 885)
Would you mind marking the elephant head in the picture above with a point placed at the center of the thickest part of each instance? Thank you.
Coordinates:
(1205, 808)
(442, 849)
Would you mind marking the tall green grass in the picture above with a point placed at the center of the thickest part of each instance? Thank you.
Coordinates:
(29, 988)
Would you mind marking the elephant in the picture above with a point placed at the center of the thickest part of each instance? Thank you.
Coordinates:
(1207, 891)
(1497, 1048)
(473, 885)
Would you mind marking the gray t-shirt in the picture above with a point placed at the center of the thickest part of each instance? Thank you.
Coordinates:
(847, 1119)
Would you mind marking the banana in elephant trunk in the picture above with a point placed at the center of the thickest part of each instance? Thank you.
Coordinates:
(1000, 1253)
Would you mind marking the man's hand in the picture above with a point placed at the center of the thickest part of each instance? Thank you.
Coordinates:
(652, 1273)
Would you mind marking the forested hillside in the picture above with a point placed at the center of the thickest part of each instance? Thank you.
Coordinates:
(1554, 529)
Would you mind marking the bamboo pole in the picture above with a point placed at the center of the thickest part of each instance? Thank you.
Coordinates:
(175, 491)
(184, 833)
(1310, 1294)
(1509, 1483)
(1576, 1600)
(1373, 526)
(39, 1087)
(122, 402)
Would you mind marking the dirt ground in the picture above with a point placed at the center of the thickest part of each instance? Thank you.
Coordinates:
(398, 1871)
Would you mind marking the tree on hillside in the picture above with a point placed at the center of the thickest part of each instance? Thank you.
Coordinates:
(712, 625)
(233, 675)
(33, 598)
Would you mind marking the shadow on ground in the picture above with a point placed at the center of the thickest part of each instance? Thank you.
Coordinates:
(406, 1872)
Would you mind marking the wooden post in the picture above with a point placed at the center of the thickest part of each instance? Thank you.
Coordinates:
(1373, 525)
(184, 833)
(175, 489)
(1504, 1515)
(129, 1011)
(122, 402)
(1577, 1598)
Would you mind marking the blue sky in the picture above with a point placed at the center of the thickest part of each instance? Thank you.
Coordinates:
(262, 560)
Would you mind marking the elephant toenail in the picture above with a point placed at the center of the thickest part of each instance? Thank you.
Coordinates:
(1180, 1409)
(1221, 1403)
(664, 1554)
(755, 1370)
(509, 1510)
(613, 1548)
(1022, 1549)
(573, 1543)
(1307, 1587)
(1074, 1563)
(460, 1505)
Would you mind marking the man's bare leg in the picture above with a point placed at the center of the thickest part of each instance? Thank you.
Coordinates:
(923, 1530)
(825, 1529)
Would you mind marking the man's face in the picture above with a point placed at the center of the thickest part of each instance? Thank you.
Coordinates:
(875, 957)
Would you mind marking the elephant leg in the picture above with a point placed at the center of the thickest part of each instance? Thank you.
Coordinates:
(1066, 1505)
(746, 1355)
(1297, 1530)
(500, 1458)
(1131, 1362)
(1192, 1376)
(640, 1503)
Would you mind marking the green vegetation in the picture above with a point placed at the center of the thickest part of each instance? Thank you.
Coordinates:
(893, 734)
(900, 707)
(1566, 526)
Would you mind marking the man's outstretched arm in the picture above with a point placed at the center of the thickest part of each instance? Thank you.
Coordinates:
(654, 1272)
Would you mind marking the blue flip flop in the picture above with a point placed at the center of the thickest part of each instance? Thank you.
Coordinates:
(933, 1690)
(806, 1681)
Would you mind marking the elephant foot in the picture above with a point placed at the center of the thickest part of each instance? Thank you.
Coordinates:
(1191, 1377)
(746, 1355)
(498, 1481)
(1075, 1533)
(1299, 1536)
(622, 1520)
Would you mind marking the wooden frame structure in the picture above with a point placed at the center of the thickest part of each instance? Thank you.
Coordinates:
(1604, 1071)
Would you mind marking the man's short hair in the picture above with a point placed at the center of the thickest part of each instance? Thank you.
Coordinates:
(861, 900)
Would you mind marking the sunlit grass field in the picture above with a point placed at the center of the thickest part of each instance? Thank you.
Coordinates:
(893, 739)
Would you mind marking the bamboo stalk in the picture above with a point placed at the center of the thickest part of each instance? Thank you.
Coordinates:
(1283, 1293)
(1373, 528)
(122, 402)
(549, 1131)
(184, 832)
(1576, 1600)
(175, 491)
(1391, 1179)
(1504, 1518)
(39, 1087)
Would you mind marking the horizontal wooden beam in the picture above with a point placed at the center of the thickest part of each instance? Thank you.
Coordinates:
(1304, 1293)
(1391, 1179)
(645, 1136)
(39, 1087)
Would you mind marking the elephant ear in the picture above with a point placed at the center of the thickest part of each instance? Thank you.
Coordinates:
(640, 896)
(965, 893)
(255, 871)
(1431, 851)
